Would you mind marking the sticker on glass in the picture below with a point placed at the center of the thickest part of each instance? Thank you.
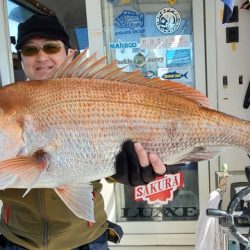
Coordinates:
(168, 20)
(139, 60)
(168, 41)
(160, 190)
(149, 74)
(122, 45)
(178, 74)
(129, 19)
(112, 1)
(178, 57)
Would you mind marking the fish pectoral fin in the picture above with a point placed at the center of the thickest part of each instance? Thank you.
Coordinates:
(201, 154)
(79, 199)
(23, 168)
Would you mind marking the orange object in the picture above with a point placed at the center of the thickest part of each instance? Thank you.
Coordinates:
(65, 132)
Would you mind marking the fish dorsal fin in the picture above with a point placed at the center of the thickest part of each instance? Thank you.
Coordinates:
(90, 67)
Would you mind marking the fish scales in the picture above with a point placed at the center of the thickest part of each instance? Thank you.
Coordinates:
(138, 112)
(62, 106)
(72, 128)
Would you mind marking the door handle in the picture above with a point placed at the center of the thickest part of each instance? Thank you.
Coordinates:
(247, 98)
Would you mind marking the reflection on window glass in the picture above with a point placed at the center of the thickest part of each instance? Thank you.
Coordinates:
(16, 14)
(183, 205)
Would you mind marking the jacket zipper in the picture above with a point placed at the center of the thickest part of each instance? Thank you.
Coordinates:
(44, 221)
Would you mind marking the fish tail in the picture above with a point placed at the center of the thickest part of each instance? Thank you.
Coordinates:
(228, 129)
(239, 133)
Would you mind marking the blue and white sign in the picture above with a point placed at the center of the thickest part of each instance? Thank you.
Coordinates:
(178, 74)
(122, 45)
(178, 57)
(129, 19)
(129, 22)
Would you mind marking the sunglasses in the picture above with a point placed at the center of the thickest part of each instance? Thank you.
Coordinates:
(48, 48)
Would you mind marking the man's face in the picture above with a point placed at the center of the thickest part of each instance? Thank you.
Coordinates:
(38, 67)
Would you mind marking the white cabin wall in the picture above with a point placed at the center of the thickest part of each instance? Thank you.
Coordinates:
(231, 60)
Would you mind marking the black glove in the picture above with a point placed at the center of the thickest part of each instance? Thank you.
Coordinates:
(128, 169)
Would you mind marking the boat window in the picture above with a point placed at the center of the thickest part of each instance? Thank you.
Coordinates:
(16, 14)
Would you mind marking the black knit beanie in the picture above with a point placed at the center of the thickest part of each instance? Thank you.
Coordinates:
(43, 26)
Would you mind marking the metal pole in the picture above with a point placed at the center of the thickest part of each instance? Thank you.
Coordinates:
(6, 61)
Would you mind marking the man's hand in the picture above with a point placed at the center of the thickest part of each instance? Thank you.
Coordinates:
(134, 166)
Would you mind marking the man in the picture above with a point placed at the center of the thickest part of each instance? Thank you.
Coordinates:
(41, 220)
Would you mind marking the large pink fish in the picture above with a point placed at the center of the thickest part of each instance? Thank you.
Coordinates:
(65, 132)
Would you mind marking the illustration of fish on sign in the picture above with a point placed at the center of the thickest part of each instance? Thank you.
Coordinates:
(65, 132)
(174, 75)
(129, 19)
